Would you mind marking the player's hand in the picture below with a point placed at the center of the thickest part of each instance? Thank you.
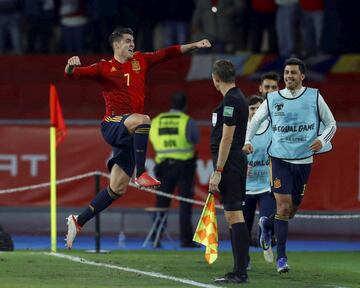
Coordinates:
(203, 44)
(215, 179)
(72, 63)
(316, 145)
(248, 148)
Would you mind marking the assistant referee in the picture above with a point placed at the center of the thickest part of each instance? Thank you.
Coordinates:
(229, 121)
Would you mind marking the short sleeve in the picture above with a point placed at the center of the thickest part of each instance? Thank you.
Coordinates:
(230, 111)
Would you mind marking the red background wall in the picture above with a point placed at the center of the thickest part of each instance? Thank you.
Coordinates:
(24, 86)
(333, 183)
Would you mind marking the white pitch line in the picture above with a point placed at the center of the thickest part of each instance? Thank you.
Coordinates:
(334, 286)
(126, 269)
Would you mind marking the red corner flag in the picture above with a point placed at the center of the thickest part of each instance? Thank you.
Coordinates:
(56, 116)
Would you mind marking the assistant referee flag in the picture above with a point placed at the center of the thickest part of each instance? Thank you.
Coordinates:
(206, 232)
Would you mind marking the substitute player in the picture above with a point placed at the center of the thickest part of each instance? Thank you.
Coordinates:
(295, 114)
(124, 125)
(258, 192)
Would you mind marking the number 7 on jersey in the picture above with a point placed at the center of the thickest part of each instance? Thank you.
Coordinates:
(127, 77)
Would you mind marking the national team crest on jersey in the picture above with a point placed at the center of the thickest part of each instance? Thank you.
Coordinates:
(135, 66)
(279, 106)
(277, 183)
(113, 69)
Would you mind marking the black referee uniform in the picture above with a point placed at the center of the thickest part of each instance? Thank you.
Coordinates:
(233, 110)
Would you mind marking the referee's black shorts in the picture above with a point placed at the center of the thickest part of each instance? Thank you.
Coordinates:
(233, 181)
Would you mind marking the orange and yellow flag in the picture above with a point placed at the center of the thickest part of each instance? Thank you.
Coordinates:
(206, 232)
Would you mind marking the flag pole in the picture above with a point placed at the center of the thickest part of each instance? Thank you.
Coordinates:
(53, 169)
(57, 135)
(53, 188)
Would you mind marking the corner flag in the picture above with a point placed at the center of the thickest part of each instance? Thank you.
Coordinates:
(56, 116)
(57, 135)
(206, 232)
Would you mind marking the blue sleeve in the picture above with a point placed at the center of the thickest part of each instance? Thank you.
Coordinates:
(192, 132)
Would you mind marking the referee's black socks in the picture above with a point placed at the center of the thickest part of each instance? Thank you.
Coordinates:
(240, 243)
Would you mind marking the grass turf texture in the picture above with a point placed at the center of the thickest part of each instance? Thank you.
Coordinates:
(308, 269)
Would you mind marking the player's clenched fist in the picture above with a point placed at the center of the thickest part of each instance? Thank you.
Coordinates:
(203, 44)
(71, 63)
(74, 61)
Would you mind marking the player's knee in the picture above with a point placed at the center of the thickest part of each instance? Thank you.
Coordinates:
(283, 209)
(115, 192)
(143, 119)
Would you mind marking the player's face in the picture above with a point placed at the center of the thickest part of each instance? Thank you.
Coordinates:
(125, 47)
(293, 77)
(267, 86)
(253, 108)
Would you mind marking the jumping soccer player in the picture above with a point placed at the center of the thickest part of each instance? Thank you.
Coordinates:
(124, 125)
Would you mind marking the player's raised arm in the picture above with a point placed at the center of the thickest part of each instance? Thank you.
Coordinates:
(71, 64)
(187, 48)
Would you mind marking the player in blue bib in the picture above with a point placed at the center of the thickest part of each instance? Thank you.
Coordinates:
(295, 114)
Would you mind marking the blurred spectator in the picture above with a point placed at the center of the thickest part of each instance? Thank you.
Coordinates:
(141, 16)
(242, 26)
(312, 25)
(287, 17)
(330, 27)
(176, 23)
(348, 34)
(10, 21)
(73, 25)
(214, 20)
(103, 18)
(40, 17)
(263, 20)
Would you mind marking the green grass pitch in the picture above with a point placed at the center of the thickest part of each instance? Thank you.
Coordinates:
(35, 269)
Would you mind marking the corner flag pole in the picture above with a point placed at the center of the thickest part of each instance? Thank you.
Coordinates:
(57, 135)
(53, 187)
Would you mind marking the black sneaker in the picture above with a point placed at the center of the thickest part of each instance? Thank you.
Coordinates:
(232, 277)
(189, 245)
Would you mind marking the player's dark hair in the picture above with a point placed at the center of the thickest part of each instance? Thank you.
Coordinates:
(178, 100)
(270, 76)
(253, 99)
(296, 61)
(225, 70)
(118, 33)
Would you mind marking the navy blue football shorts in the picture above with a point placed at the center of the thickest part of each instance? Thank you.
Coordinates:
(117, 135)
(233, 181)
(288, 178)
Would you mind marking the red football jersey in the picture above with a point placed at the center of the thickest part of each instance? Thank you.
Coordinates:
(123, 85)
